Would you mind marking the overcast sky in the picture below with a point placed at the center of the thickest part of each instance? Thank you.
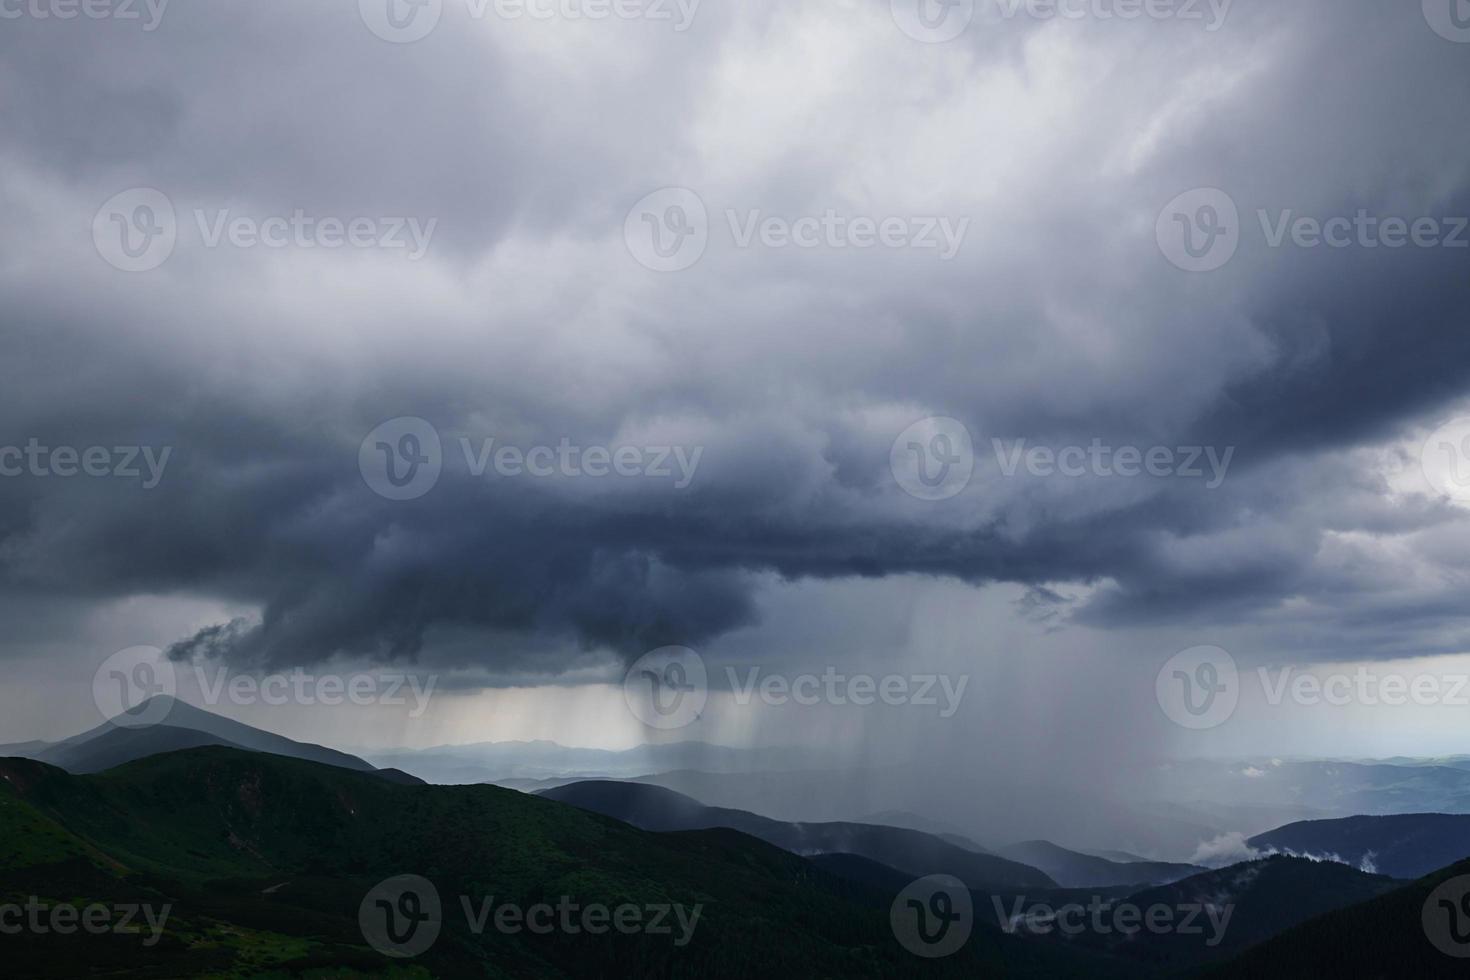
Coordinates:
(720, 262)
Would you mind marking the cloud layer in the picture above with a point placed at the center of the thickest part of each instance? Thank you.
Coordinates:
(793, 370)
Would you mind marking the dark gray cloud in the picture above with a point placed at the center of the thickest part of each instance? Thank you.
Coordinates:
(1059, 322)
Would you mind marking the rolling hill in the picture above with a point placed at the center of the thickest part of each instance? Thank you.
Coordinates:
(266, 861)
(1072, 869)
(502, 762)
(917, 853)
(183, 727)
(1263, 898)
(1407, 845)
(1391, 935)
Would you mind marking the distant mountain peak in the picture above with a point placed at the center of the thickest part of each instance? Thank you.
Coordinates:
(164, 723)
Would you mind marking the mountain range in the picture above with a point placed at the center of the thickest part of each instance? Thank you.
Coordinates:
(127, 738)
(1073, 869)
(520, 763)
(911, 851)
(267, 861)
(1316, 788)
(263, 850)
(1407, 845)
(1392, 935)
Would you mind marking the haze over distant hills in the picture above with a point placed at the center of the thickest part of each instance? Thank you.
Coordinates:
(527, 762)
(1167, 832)
(1318, 788)
(1174, 811)
(911, 851)
(1045, 864)
(1072, 869)
(166, 801)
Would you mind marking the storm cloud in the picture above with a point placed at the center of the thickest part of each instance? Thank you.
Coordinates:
(791, 370)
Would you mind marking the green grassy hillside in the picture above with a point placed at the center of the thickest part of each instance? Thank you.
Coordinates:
(266, 860)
